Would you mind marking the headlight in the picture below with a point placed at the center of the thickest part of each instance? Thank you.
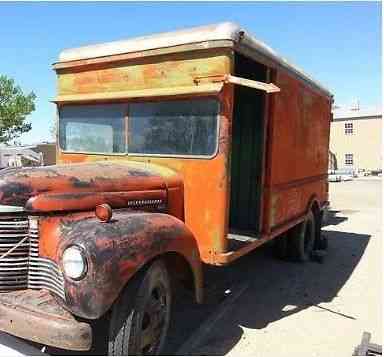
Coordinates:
(74, 263)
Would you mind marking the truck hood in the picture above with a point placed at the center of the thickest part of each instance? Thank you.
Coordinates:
(81, 186)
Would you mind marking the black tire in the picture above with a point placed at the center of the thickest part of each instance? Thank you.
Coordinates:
(321, 242)
(280, 247)
(302, 239)
(140, 317)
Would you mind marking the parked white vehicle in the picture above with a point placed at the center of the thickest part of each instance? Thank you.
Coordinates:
(334, 178)
(346, 177)
(340, 175)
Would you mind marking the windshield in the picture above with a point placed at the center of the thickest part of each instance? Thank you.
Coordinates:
(92, 128)
(173, 127)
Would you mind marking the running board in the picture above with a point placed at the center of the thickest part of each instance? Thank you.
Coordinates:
(251, 243)
(237, 240)
(242, 237)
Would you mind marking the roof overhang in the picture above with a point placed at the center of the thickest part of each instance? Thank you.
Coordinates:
(227, 78)
(202, 89)
(225, 34)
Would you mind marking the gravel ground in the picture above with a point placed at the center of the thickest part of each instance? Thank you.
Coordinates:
(290, 309)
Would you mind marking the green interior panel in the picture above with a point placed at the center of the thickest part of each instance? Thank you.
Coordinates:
(247, 150)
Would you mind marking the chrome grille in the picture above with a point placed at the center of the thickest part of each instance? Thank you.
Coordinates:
(42, 272)
(23, 268)
(13, 266)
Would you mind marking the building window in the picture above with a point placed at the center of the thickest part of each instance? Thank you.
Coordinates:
(348, 128)
(348, 159)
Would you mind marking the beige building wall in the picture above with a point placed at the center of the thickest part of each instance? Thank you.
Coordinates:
(364, 144)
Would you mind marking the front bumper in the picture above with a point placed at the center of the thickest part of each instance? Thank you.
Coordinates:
(36, 316)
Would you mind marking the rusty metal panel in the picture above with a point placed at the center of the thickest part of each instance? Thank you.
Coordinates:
(298, 157)
(115, 251)
(17, 187)
(174, 70)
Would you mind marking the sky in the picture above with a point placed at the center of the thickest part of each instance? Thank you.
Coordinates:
(337, 43)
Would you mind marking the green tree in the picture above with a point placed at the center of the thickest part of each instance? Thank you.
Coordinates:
(15, 106)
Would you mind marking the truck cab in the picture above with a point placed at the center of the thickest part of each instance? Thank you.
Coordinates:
(173, 150)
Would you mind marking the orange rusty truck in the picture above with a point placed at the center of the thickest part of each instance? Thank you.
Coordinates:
(174, 150)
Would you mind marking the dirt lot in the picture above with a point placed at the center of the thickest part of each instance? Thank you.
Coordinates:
(310, 309)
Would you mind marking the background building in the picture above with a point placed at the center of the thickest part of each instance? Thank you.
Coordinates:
(332, 161)
(48, 151)
(355, 138)
(41, 154)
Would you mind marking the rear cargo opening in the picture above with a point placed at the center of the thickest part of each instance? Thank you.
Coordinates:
(247, 151)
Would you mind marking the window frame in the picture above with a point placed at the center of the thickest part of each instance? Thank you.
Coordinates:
(183, 156)
(90, 152)
(348, 128)
(350, 158)
(126, 127)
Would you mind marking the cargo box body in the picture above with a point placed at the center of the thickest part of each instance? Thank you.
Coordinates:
(270, 165)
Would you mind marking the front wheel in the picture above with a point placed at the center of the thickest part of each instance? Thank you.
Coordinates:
(140, 317)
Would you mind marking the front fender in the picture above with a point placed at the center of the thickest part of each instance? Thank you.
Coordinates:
(116, 251)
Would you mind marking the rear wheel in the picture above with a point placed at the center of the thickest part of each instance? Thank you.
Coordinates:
(280, 246)
(321, 242)
(302, 239)
(140, 317)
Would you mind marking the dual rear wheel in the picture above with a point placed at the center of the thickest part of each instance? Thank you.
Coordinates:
(298, 243)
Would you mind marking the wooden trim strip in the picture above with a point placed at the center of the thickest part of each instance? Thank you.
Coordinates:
(208, 88)
(267, 87)
(266, 123)
(227, 78)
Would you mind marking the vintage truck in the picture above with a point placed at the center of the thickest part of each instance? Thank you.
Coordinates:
(175, 150)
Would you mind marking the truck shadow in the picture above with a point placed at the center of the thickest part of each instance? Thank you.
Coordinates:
(277, 289)
(334, 219)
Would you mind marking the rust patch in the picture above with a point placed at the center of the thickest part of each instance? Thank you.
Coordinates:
(47, 322)
(115, 251)
(17, 187)
(82, 201)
